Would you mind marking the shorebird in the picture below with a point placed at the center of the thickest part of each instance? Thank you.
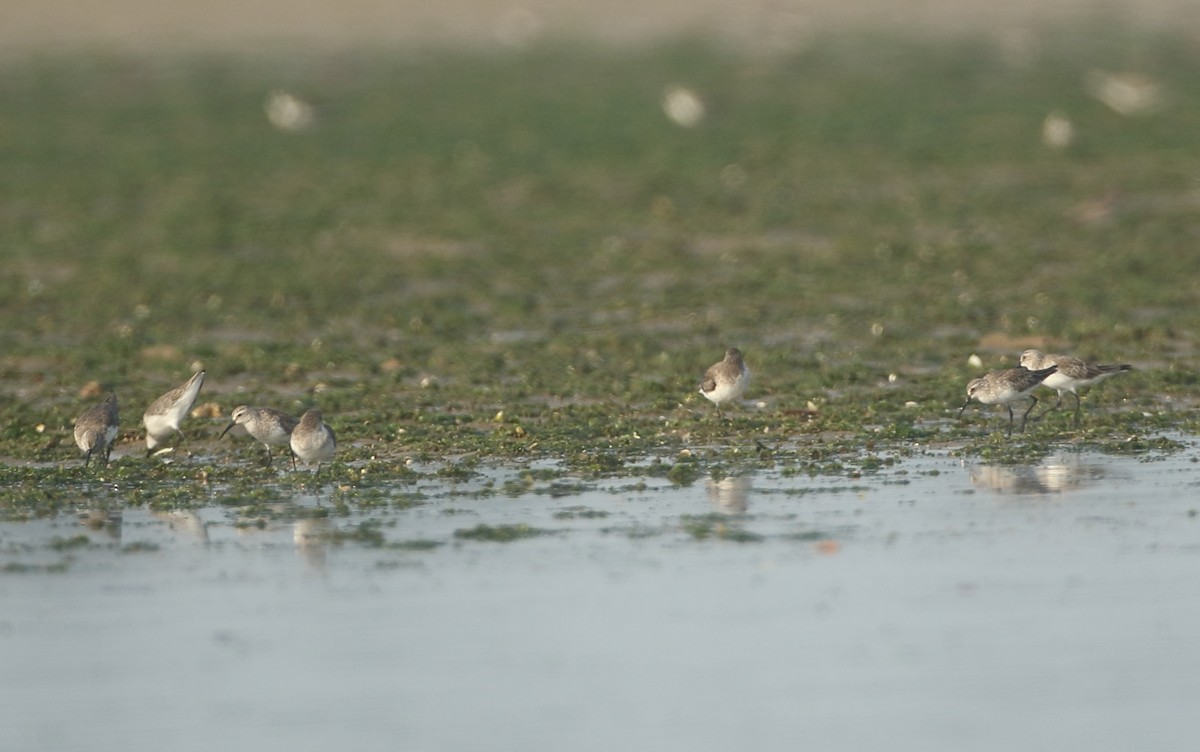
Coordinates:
(726, 380)
(1006, 387)
(271, 427)
(312, 440)
(96, 429)
(165, 414)
(1072, 373)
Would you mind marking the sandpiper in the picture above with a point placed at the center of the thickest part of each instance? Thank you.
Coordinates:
(1004, 388)
(312, 440)
(727, 380)
(271, 427)
(165, 414)
(1072, 373)
(96, 429)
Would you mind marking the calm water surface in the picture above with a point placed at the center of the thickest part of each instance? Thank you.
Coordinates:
(935, 606)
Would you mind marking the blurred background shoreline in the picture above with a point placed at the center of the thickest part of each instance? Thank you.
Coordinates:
(28, 26)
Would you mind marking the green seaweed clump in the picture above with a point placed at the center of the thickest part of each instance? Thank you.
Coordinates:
(499, 533)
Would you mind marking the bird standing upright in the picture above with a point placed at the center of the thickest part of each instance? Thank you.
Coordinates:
(312, 440)
(726, 380)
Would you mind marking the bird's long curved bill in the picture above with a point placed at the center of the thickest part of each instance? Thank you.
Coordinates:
(964, 407)
(231, 425)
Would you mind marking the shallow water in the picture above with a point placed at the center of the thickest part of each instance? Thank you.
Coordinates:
(934, 605)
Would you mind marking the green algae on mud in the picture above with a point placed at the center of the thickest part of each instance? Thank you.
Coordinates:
(475, 258)
(499, 533)
(719, 526)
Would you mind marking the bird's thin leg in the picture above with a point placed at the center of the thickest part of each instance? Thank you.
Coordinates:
(1032, 402)
(1078, 408)
(1050, 408)
(1010, 419)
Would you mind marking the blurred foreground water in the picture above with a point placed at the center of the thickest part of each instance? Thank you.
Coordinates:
(931, 605)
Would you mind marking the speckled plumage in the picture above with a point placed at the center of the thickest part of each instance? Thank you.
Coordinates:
(96, 429)
(312, 441)
(269, 426)
(1072, 373)
(1004, 388)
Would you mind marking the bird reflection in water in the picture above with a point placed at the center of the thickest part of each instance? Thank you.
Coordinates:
(311, 536)
(185, 523)
(1054, 475)
(310, 532)
(102, 520)
(729, 495)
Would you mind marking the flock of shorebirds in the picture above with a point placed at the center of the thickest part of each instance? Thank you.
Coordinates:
(1061, 373)
(727, 380)
(310, 440)
(307, 437)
